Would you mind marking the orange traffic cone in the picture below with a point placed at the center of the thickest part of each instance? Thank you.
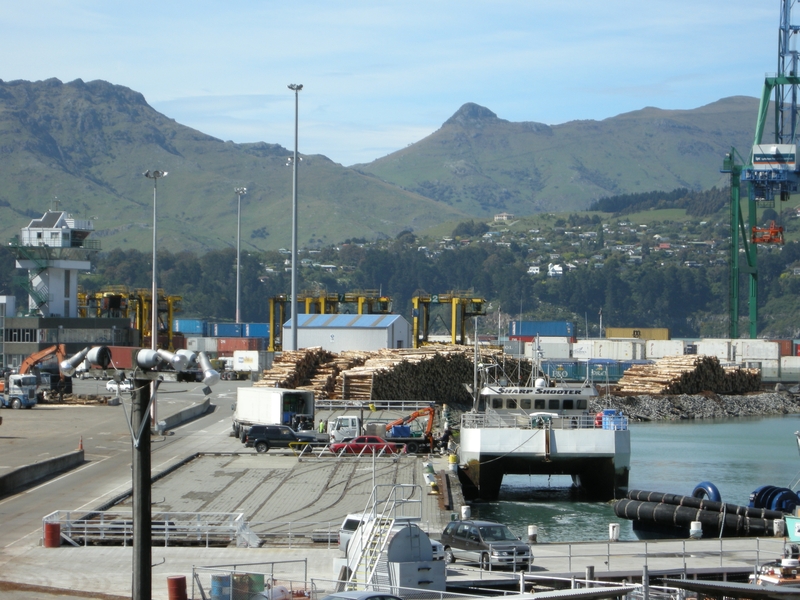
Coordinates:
(80, 444)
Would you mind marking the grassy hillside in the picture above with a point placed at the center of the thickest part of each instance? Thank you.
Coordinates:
(483, 165)
(86, 145)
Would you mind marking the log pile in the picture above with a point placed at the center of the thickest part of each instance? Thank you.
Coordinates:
(311, 369)
(435, 373)
(688, 375)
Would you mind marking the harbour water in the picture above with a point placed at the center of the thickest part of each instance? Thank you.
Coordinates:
(736, 455)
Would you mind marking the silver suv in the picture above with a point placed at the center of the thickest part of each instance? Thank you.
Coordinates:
(487, 543)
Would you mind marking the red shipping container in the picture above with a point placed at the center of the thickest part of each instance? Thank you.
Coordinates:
(228, 345)
(122, 356)
(785, 347)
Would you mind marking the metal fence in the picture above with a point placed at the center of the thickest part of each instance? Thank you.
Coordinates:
(171, 528)
(543, 420)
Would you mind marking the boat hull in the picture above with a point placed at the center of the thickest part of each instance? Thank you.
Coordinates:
(597, 459)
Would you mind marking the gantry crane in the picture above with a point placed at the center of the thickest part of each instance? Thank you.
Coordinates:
(121, 302)
(772, 171)
(367, 302)
(463, 304)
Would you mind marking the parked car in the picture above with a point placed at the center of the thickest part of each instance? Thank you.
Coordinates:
(264, 437)
(353, 521)
(367, 444)
(126, 385)
(487, 543)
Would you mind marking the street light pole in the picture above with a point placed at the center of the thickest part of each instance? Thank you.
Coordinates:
(240, 191)
(155, 175)
(295, 87)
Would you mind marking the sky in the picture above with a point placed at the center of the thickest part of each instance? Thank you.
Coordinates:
(380, 75)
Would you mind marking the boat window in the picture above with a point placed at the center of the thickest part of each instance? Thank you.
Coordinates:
(553, 404)
(538, 404)
(569, 404)
(582, 405)
(497, 403)
(511, 403)
(525, 403)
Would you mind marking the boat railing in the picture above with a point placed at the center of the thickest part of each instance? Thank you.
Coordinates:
(543, 420)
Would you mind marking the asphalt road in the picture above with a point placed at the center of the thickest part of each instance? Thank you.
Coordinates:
(28, 436)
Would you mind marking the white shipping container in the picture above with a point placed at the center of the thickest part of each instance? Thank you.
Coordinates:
(253, 361)
(756, 350)
(202, 344)
(722, 349)
(655, 349)
(790, 366)
(613, 349)
(583, 349)
(770, 369)
(549, 350)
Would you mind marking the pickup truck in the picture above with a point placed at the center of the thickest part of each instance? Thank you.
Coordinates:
(264, 437)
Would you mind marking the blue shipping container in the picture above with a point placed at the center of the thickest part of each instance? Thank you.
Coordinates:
(225, 330)
(542, 328)
(260, 330)
(189, 326)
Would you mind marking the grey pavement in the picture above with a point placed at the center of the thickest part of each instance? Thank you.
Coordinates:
(281, 488)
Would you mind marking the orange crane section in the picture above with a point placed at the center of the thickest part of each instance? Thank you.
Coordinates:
(767, 235)
(59, 351)
(428, 411)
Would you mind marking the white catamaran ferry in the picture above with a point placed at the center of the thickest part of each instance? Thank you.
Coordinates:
(544, 429)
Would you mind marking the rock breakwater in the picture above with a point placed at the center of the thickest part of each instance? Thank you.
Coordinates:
(699, 406)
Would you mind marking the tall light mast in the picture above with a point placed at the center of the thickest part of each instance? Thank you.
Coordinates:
(786, 93)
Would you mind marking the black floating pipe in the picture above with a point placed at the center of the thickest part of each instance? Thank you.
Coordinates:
(704, 504)
(678, 516)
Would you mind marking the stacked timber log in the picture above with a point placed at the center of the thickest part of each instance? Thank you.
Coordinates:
(435, 373)
(293, 369)
(311, 369)
(688, 375)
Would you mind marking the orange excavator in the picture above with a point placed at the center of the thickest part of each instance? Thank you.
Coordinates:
(428, 411)
(58, 350)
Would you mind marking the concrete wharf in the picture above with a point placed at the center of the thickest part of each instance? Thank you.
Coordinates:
(295, 505)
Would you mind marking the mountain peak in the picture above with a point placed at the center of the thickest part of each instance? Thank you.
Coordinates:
(472, 115)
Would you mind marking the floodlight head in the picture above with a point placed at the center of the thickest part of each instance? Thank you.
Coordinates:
(191, 357)
(100, 356)
(147, 358)
(179, 362)
(210, 376)
(295, 87)
(68, 365)
(155, 174)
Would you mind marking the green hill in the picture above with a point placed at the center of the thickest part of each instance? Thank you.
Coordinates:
(82, 147)
(87, 145)
(484, 165)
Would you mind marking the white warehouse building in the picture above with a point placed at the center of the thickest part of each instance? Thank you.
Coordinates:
(337, 333)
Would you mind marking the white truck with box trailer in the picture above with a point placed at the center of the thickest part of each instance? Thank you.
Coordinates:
(271, 406)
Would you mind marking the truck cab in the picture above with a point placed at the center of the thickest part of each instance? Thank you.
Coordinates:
(345, 427)
(19, 391)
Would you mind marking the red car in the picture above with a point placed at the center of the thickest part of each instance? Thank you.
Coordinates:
(367, 444)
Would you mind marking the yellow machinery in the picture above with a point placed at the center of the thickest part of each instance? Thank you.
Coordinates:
(368, 302)
(463, 304)
(121, 302)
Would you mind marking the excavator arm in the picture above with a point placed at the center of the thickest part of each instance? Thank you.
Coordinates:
(429, 411)
(59, 351)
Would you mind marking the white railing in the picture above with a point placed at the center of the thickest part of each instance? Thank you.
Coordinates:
(174, 528)
(543, 420)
